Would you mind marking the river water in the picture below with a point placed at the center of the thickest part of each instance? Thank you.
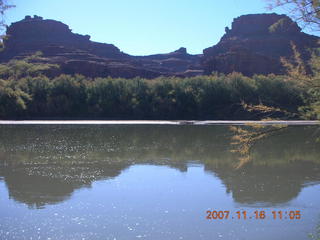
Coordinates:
(156, 182)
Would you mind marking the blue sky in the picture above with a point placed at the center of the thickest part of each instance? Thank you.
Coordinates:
(142, 27)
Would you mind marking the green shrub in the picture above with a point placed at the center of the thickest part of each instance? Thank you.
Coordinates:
(202, 97)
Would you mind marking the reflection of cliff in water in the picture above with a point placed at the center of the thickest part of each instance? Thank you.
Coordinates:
(48, 184)
(45, 164)
(267, 186)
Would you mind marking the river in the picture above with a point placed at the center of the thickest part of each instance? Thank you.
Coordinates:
(156, 181)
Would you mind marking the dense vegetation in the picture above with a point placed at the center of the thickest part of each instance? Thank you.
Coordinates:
(26, 93)
(246, 137)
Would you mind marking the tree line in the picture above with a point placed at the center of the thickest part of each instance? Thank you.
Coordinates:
(26, 93)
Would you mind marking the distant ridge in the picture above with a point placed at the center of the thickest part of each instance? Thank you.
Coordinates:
(253, 45)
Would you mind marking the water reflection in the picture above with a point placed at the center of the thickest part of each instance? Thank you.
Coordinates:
(268, 186)
(44, 165)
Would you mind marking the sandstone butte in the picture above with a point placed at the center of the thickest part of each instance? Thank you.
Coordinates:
(254, 45)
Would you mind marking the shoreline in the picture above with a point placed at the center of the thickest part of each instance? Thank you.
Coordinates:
(154, 122)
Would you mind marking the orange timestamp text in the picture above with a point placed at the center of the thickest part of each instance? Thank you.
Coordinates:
(257, 214)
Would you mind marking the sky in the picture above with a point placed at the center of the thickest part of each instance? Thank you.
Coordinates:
(143, 27)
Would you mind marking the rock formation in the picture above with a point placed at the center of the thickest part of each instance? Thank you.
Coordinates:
(178, 62)
(33, 34)
(75, 53)
(255, 44)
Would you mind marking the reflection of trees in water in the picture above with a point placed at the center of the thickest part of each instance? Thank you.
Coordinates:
(245, 138)
(45, 164)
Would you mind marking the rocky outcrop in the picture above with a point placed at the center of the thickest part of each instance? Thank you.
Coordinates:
(255, 44)
(177, 62)
(76, 54)
(34, 34)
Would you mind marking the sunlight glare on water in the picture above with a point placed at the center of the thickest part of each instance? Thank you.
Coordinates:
(153, 182)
